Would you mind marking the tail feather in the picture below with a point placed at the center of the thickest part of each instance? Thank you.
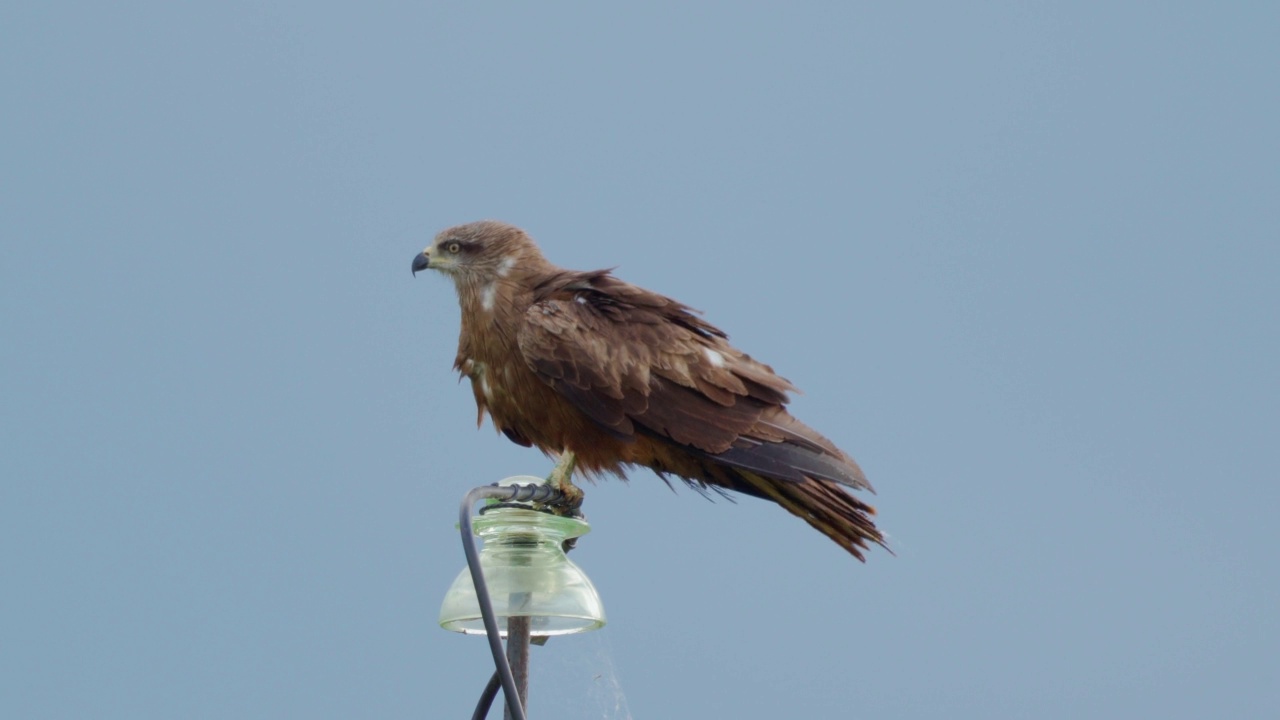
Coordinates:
(824, 505)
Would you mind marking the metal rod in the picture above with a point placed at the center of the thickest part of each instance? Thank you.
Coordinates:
(518, 658)
(517, 627)
(514, 708)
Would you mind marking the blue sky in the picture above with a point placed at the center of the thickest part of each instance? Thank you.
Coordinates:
(1022, 260)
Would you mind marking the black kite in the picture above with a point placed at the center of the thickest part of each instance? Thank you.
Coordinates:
(620, 376)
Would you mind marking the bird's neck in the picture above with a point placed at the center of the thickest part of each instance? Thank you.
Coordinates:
(491, 314)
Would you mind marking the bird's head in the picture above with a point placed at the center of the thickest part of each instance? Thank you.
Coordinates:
(478, 252)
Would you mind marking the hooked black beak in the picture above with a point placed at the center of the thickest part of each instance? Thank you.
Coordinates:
(421, 261)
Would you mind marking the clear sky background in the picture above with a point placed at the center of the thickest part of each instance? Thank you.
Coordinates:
(1022, 258)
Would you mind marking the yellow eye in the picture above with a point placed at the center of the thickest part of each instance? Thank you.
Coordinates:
(453, 247)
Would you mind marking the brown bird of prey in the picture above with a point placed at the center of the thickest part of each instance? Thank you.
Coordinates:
(585, 366)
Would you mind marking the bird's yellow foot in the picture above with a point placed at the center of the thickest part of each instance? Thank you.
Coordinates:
(561, 478)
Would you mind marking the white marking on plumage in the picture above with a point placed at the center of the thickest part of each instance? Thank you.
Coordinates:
(713, 357)
(488, 296)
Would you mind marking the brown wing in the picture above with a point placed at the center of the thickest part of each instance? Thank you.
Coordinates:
(638, 362)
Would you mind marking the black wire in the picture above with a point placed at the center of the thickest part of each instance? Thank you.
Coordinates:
(486, 697)
(536, 493)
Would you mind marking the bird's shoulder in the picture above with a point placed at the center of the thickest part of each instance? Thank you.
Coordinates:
(597, 297)
(604, 335)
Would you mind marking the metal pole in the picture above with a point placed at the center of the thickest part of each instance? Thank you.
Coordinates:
(518, 658)
(517, 627)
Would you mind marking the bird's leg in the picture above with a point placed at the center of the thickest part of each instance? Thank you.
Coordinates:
(561, 478)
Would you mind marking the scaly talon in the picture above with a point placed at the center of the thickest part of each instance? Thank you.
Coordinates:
(561, 478)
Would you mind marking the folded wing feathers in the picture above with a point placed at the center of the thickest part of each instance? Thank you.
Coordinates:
(713, 397)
